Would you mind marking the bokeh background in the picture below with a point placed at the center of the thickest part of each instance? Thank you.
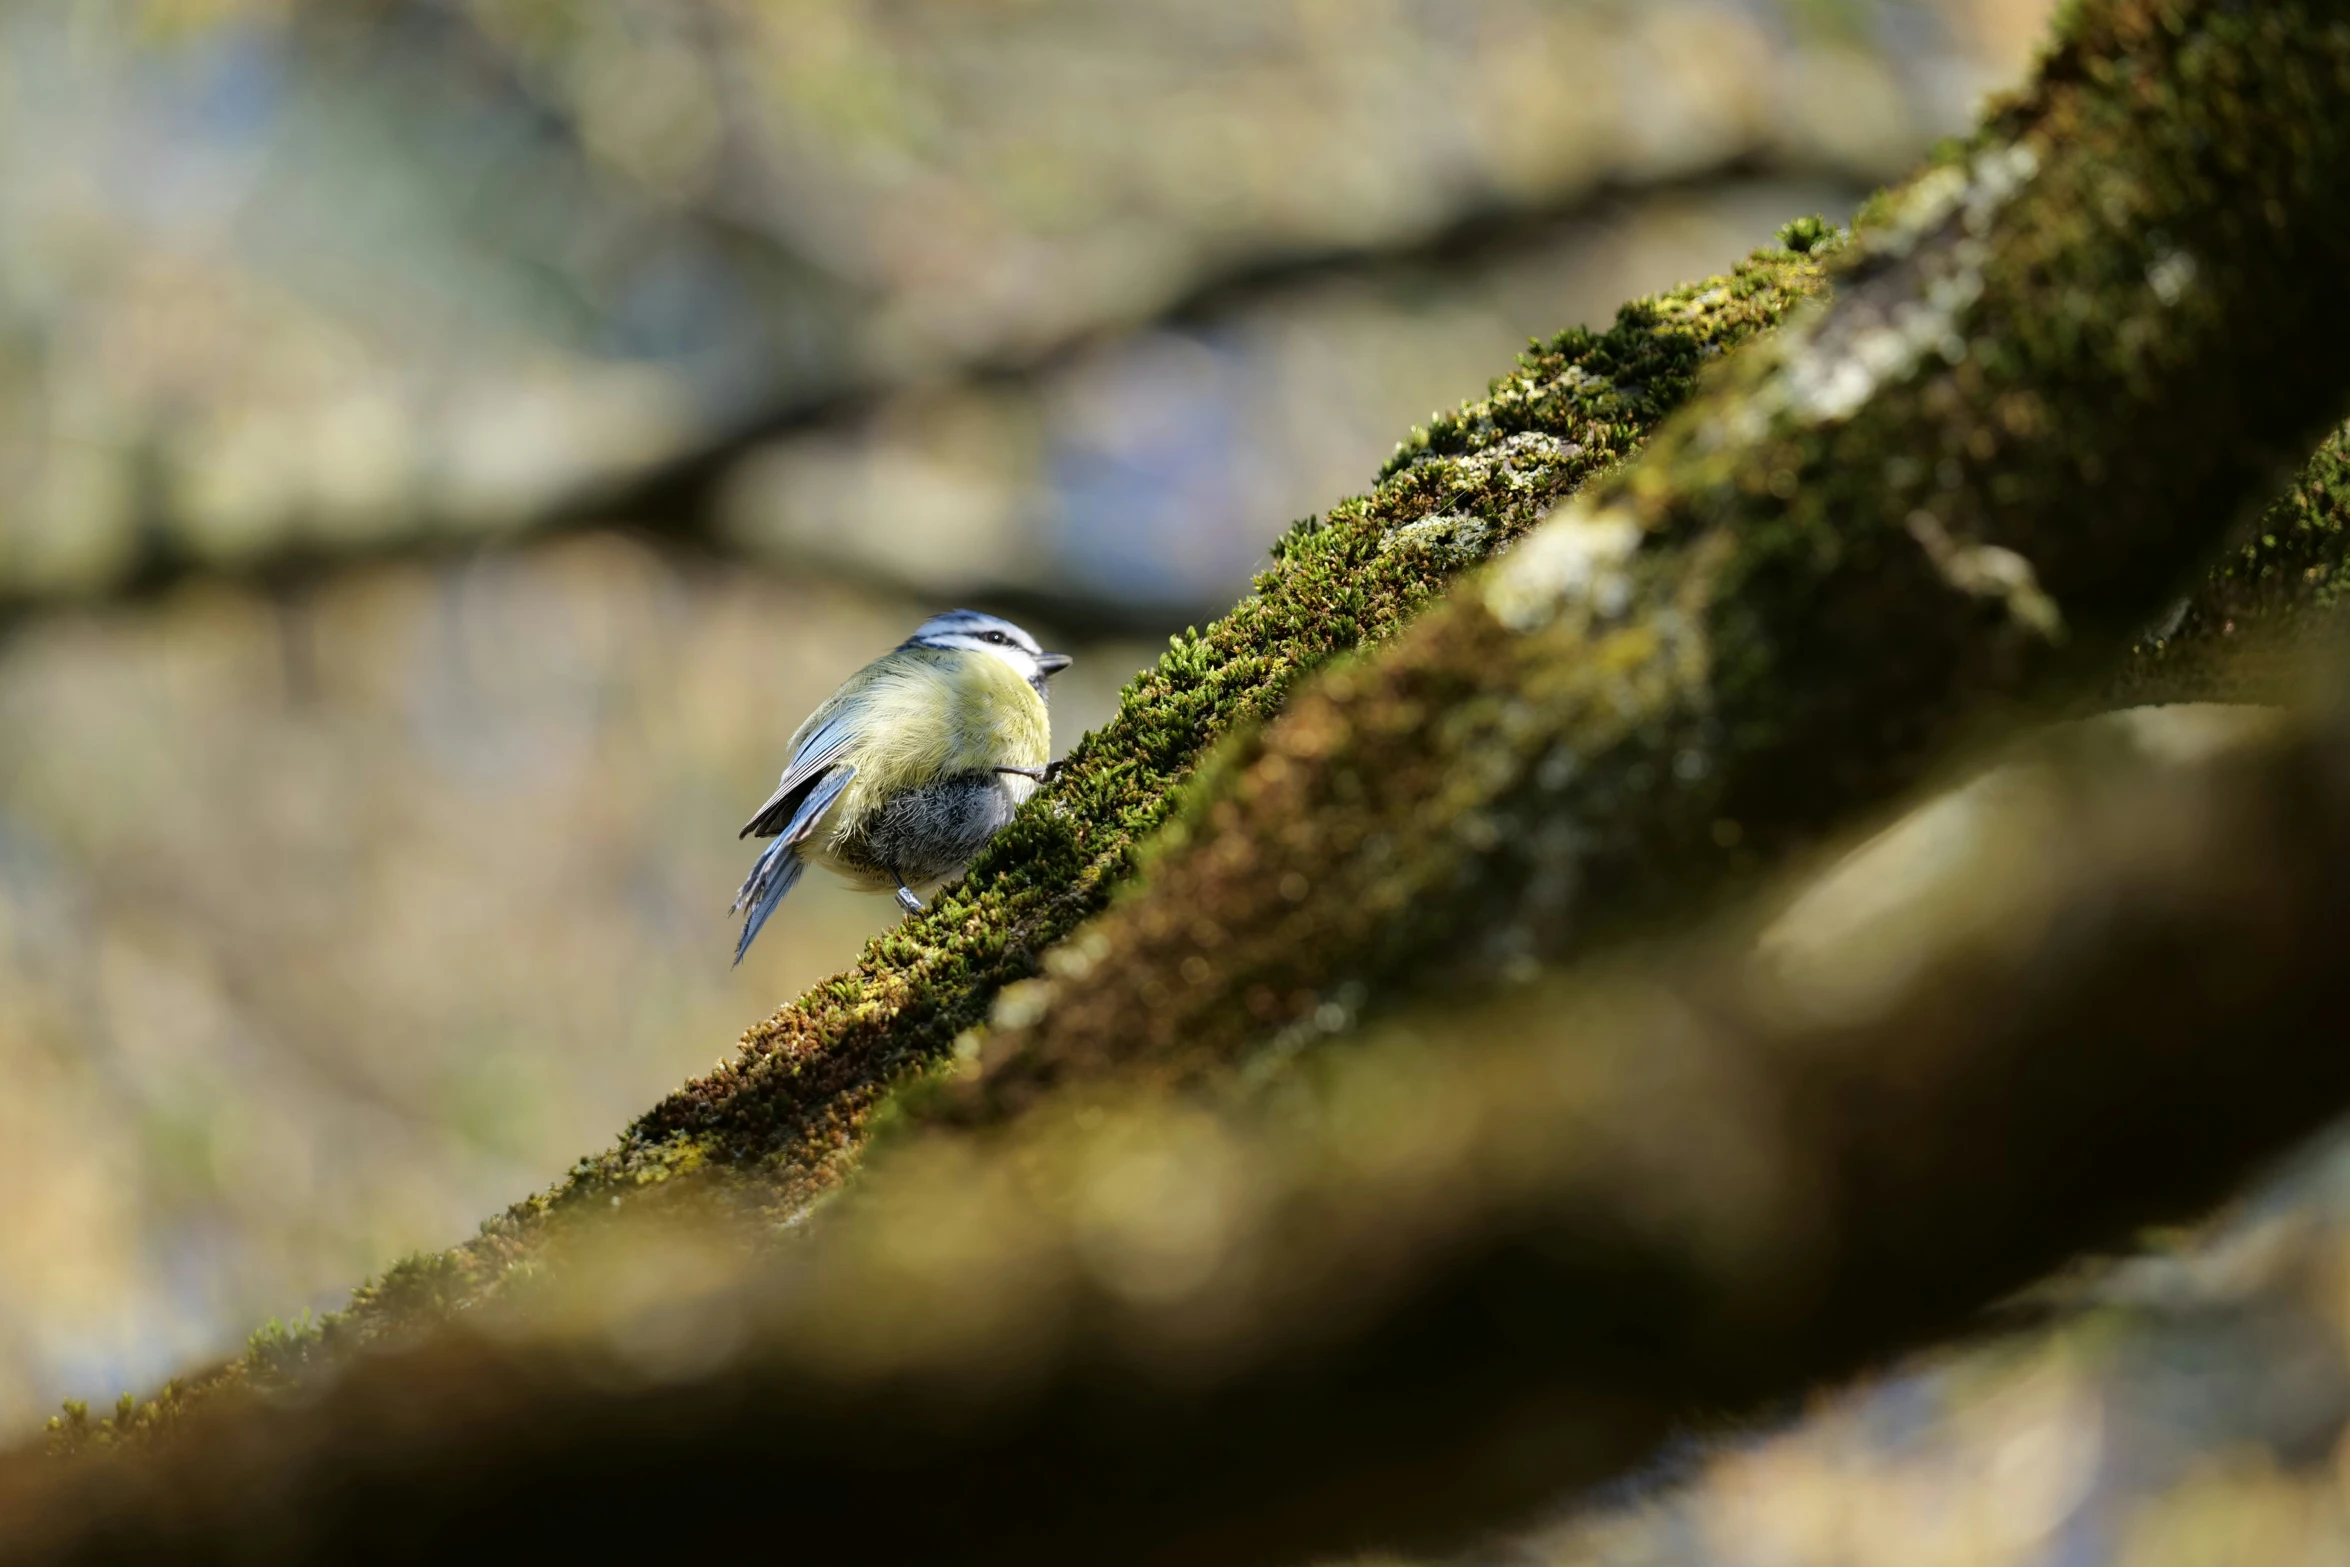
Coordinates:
(446, 445)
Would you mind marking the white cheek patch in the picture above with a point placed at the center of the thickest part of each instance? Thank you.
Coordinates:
(1019, 660)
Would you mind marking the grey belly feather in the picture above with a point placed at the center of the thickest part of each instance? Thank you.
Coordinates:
(927, 834)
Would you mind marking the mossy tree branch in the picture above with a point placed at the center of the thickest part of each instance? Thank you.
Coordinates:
(1485, 1256)
(2052, 370)
(781, 1124)
(1792, 635)
(1753, 624)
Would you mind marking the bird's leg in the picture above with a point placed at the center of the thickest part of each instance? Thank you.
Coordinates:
(1043, 775)
(906, 898)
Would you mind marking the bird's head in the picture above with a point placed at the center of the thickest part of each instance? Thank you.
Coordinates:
(968, 631)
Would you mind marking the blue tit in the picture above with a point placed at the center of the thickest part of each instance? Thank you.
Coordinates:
(910, 767)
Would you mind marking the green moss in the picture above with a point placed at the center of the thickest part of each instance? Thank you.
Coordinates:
(418, 1288)
(412, 1293)
(132, 1423)
(1805, 235)
(281, 1352)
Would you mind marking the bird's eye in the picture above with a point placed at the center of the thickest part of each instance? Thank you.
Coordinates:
(998, 638)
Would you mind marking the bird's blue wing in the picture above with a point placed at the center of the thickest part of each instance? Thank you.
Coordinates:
(779, 864)
(817, 751)
(813, 804)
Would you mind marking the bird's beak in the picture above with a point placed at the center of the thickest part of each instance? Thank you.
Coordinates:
(1051, 663)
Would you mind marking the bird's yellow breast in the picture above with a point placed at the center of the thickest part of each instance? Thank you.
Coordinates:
(926, 714)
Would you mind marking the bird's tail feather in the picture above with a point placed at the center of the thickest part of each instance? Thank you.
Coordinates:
(771, 877)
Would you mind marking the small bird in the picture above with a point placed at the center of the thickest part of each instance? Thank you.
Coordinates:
(910, 767)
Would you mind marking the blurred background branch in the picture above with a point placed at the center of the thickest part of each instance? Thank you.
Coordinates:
(694, 499)
(475, 268)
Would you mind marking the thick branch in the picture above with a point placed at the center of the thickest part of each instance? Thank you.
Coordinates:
(790, 1110)
(1777, 659)
(1483, 1257)
(2053, 369)
(1791, 605)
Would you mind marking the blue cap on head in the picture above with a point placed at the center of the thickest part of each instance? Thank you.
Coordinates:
(968, 628)
(969, 631)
